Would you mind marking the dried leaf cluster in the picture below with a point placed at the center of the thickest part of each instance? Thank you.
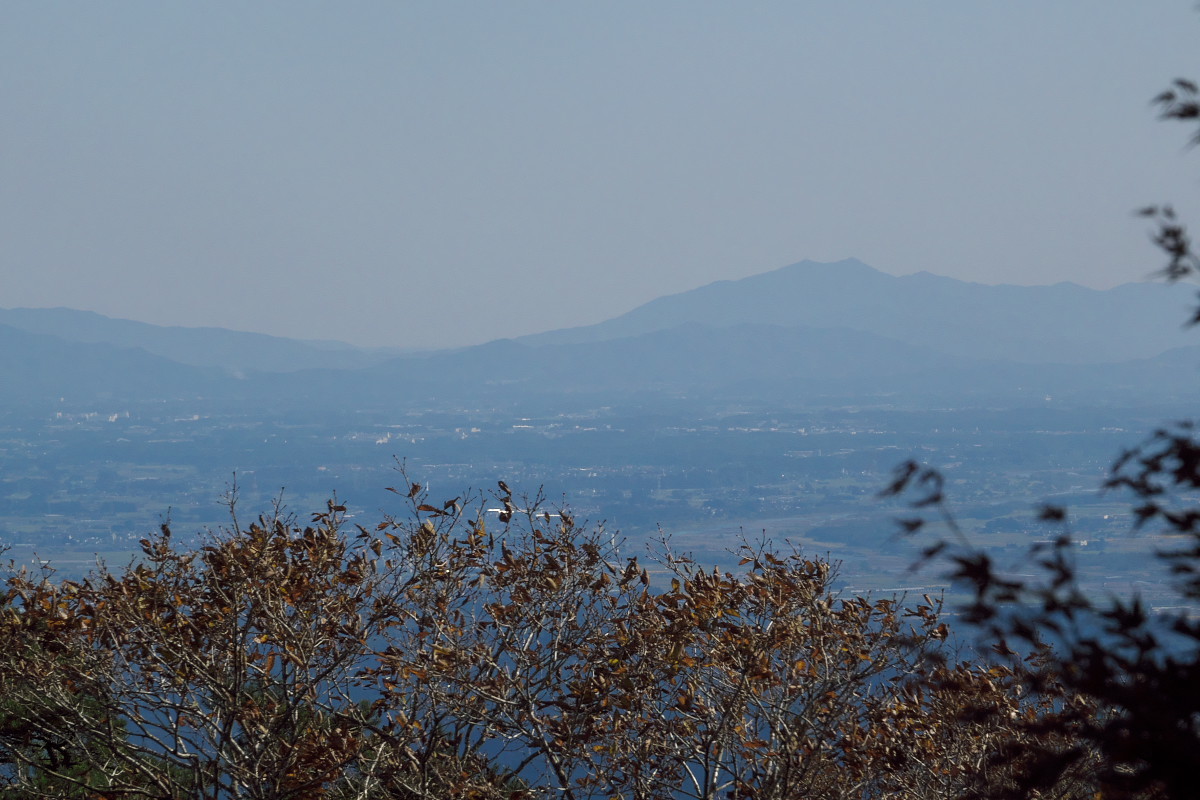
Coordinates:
(437, 657)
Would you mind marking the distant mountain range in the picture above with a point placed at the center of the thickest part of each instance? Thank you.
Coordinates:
(234, 351)
(1063, 323)
(810, 332)
(39, 367)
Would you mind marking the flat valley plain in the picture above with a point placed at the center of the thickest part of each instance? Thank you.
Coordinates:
(84, 482)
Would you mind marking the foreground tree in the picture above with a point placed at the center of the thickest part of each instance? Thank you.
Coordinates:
(435, 656)
(1123, 680)
(1131, 675)
(222, 671)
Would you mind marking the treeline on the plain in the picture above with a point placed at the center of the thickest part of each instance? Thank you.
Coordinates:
(454, 651)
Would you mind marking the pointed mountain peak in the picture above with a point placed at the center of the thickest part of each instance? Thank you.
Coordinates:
(842, 264)
(847, 267)
(848, 271)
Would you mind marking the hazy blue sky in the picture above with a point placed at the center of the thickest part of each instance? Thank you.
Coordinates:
(444, 173)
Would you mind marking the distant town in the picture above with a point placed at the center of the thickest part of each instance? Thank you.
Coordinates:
(80, 484)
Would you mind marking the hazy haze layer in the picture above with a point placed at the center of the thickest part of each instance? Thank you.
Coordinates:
(432, 175)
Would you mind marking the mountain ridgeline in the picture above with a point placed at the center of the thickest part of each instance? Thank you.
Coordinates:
(811, 332)
(200, 347)
(1063, 323)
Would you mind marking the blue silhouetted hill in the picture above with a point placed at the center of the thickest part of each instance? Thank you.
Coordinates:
(235, 351)
(824, 333)
(1063, 323)
(39, 368)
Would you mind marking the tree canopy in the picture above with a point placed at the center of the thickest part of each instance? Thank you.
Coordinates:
(448, 654)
